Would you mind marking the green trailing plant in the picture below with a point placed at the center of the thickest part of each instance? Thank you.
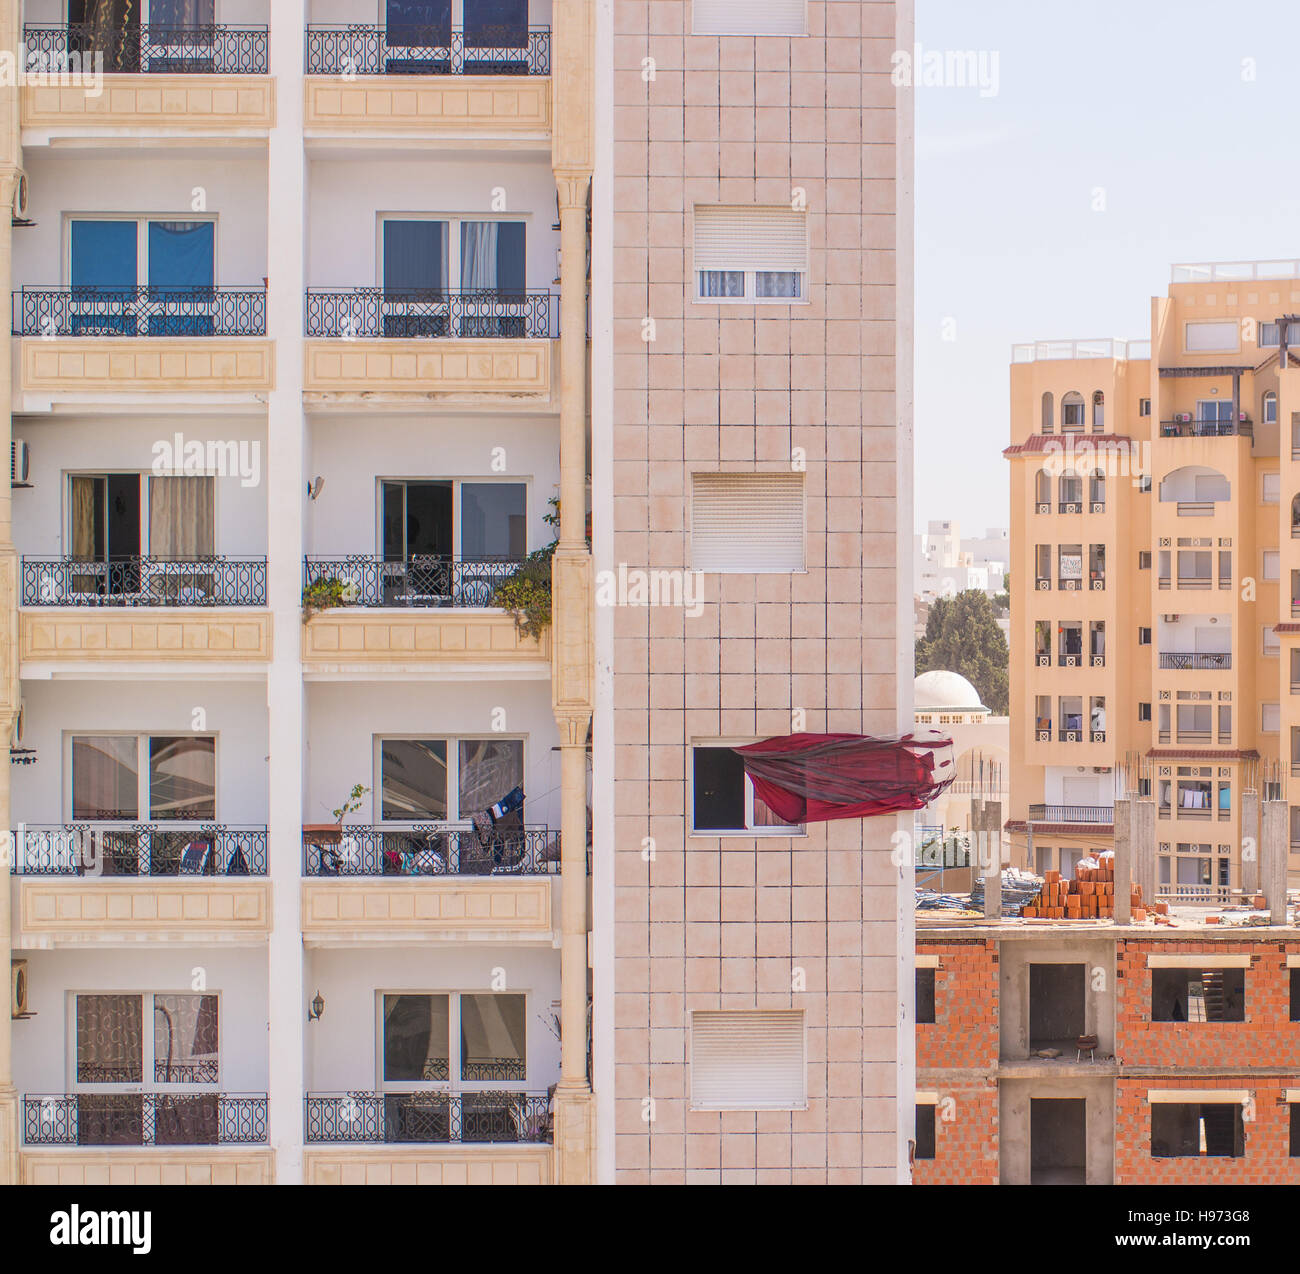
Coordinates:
(526, 592)
(321, 594)
(352, 803)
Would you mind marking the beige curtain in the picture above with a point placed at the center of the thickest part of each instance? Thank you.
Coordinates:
(83, 517)
(110, 1039)
(182, 517)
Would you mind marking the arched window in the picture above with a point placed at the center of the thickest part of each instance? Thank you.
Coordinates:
(1099, 412)
(1072, 409)
(1270, 408)
(1043, 489)
(1048, 418)
(1097, 488)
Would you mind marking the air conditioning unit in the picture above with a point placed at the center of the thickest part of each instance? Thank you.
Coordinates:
(1170, 619)
(18, 989)
(20, 197)
(19, 463)
(16, 741)
(1183, 417)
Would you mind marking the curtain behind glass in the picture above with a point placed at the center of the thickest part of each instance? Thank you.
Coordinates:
(415, 256)
(478, 256)
(499, 24)
(182, 518)
(110, 1039)
(493, 1037)
(83, 516)
(489, 769)
(418, 23)
(105, 778)
(185, 1034)
(104, 254)
(417, 1038)
(181, 254)
(183, 778)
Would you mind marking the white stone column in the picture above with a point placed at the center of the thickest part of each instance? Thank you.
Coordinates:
(287, 479)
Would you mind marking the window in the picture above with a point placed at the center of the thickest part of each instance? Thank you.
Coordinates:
(1048, 417)
(1272, 564)
(750, 253)
(418, 520)
(1144, 406)
(114, 777)
(1196, 1130)
(1098, 412)
(1271, 488)
(110, 260)
(1072, 413)
(1144, 712)
(1270, 718)
(1270, 408)
(1144, 559)
(747, 523)
(924, 1131)
(1198, 995)
(456, 1039)
(1144, 636)
(723, 800)
(743, 1060)
(1269, 334)
(1295, 994)
(1271, 642)
(416, 777)
(1201, 338)
(924, 996)
(749, 17)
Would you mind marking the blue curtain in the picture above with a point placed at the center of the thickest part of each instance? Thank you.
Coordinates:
(415, 256)
(180, 254)
(496, 23)
(104, 254)
(418, 23)
(180, 14)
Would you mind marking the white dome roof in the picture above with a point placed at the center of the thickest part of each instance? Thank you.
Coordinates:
(945, 692)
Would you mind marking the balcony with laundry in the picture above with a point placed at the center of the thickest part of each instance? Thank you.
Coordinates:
(143, 549)
(111, 301)
(434, 818)
(452, 71)
(417, 303)
(130, 829)
(149, 69)
(1193, 643)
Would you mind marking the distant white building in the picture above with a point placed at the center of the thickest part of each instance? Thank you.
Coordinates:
(946, 564)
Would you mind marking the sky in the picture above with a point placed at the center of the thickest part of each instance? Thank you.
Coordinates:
(1119, 137)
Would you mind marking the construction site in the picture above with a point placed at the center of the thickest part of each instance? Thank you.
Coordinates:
(1085, 1030)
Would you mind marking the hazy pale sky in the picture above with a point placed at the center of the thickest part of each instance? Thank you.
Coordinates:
(1177, 116)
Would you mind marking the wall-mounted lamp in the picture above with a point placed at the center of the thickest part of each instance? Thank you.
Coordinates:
(315, 488)
(317, 1008)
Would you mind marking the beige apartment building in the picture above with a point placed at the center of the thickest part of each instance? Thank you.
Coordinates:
(1156, 542)
(323, 869)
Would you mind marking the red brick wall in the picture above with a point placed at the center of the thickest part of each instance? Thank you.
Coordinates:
(1267, 1159)
(1266, 1038)
(965, 1028)
(966, 1144)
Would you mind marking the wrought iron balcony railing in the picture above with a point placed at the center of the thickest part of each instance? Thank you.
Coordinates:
(144, 581)
(427, 850)
(1199, 661)
(1096, 814)
(132, 49)
(144, 1119)
(1206, 428)
(408, 313)
(428, 50)
(432, 1117)
(425, 581)
(139, 311)
(123, 847)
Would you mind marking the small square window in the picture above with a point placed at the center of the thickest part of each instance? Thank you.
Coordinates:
(1144, 636)
(1144, 559)
(924, 997)
(1144, 712)
(924, 1132)
(723, 800)
(1144, 406)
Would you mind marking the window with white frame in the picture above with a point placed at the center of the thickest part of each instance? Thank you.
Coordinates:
(745, 1060)
(723, 800)
(1270, 408)
(445, 779)
(748, 523)
(1202, 337)
(457, 1040)
(116, 777)
(450, 518)
(749, 17)
(750, 254)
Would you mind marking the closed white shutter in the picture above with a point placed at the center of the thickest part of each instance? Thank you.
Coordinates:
(748, 1061)
(743, 237)
(747, 523)
(750, 17)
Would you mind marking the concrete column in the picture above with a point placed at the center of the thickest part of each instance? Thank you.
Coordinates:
(287, 480)
(1272, 859)
(1123, 861)
(1250, 842)
(1143, 848)
(10, 168)
(988, 847)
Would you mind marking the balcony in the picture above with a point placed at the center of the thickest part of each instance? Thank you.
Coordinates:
(424, 581)
(482, 1117)
(144, 1119)
(144, 581)
(1183, 660)
(1206, 429)
(199, 79)
(1095, 815)
(394, 883)
(406, 314)
(105, 881)
(493, 83)
(1195, 508)
(145, 339)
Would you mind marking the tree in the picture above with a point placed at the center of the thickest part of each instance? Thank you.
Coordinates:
(962, 636)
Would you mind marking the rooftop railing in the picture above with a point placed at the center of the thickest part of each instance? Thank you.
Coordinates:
(428, 50)
(429, 1118)
(1234, 271)
(144, 1119)
(123, 847)
(408, 313)
(139, 311)
(1100, 347)
(144, 581)
(132, 49)
(1094, 814)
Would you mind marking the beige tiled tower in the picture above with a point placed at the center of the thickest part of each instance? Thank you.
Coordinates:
(703, 923)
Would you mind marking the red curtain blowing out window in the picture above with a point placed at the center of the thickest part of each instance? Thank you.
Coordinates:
(813, 778)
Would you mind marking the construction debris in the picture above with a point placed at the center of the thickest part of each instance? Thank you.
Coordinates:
(1018, 888)
(1090, 895)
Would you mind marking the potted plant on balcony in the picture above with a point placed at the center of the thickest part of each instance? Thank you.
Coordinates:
(526, 592)
(332, 833)
(321, 594)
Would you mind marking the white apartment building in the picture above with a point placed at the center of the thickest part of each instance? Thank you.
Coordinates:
(946, 563)
(313, 866)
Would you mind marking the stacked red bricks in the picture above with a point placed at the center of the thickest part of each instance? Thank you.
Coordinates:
(1089, 896)
(964, 1035)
